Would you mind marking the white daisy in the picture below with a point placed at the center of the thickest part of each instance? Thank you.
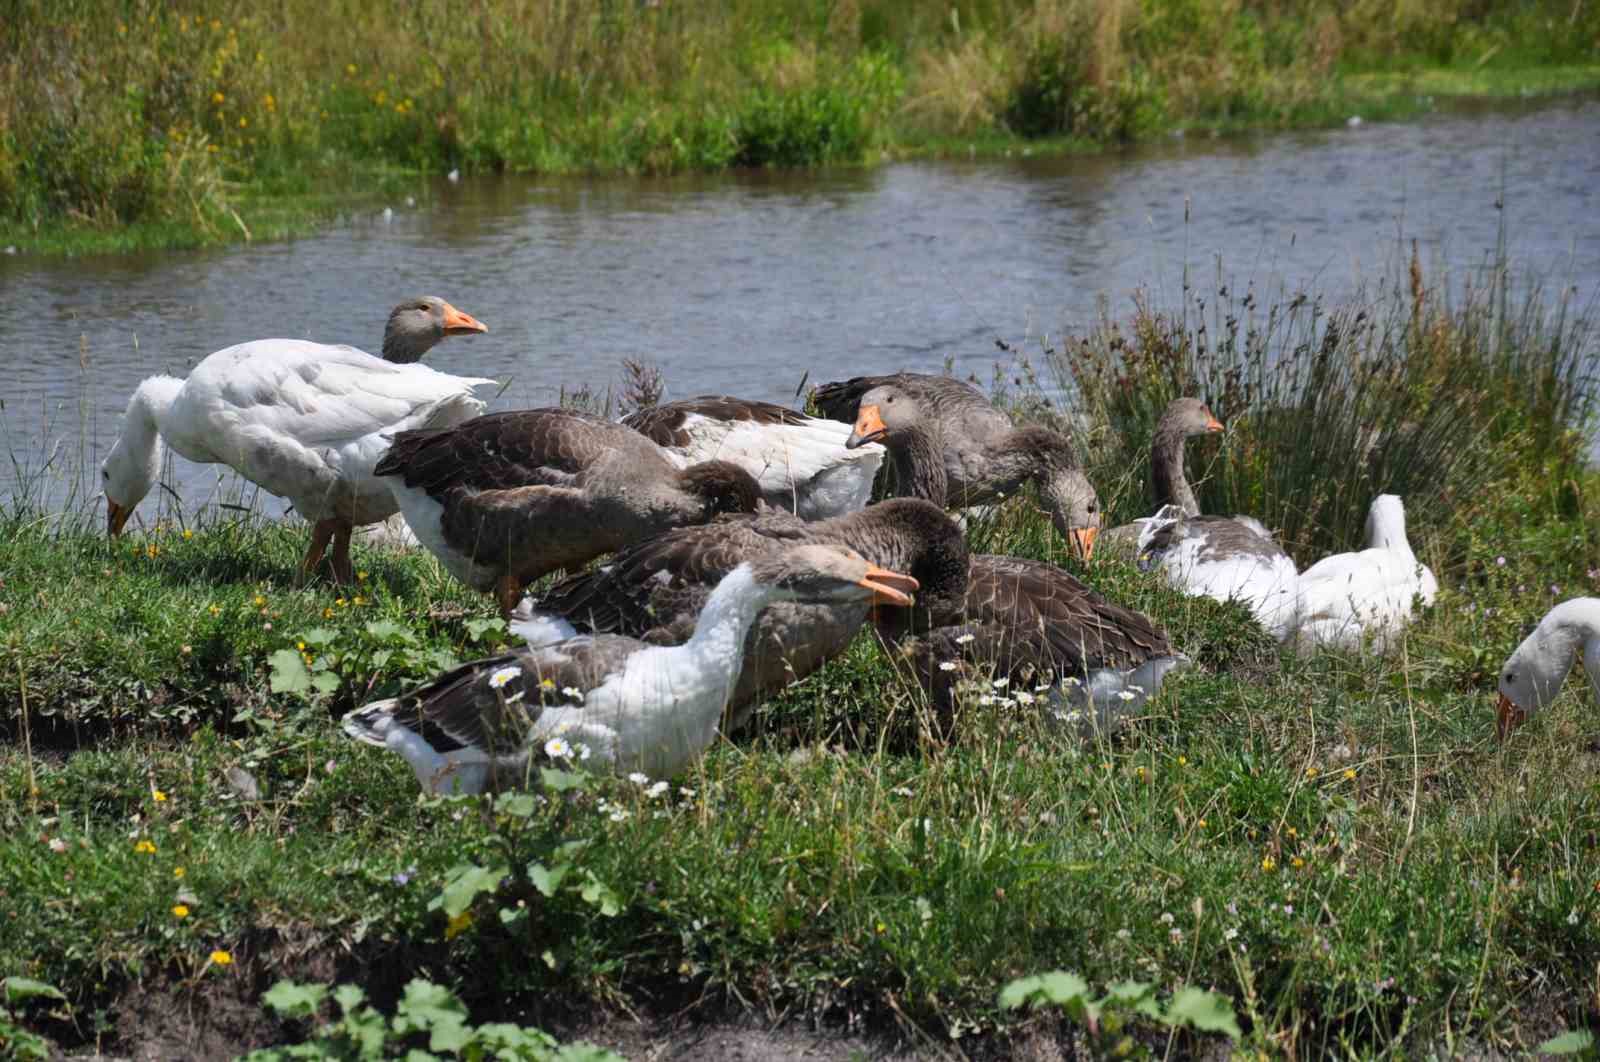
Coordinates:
(638, 778)
(583, 751)
(1001, 683)
(557, 748)
(503, 675)
(965, 638)
(985, 701)
(1024, 697)
(947, 665)
(572, 691)
(1127, 696)
(659, 789)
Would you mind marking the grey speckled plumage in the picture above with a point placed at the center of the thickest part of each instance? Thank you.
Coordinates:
(654, 590)
(507, 497)
(982, 454)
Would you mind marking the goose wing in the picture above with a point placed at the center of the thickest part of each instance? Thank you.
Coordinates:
(504, 451)
(655, 589)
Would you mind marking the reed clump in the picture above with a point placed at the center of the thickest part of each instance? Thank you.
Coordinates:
(134, 113)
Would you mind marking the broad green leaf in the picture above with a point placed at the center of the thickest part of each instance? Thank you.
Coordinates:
(547, 881)
(1206, 1011)
(319, 636)
(599, 894)
(477, 628)
(1573, 1042)
(21, 988)
(434, 1009)
(517, 805)
(559, 781)
(349, 997)
(289, 674)
(294, 1000)
(1066, 990)
(464, 883)
(326, 681)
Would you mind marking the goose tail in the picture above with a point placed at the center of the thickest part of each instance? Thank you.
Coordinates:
(370, 723)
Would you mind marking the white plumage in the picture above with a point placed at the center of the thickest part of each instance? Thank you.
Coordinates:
(305, 421)
(1227, 559)
(1532, 676)
(1349, 597)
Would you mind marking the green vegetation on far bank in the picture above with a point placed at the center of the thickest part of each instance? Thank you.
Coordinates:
(142, 124)
(1332, 841)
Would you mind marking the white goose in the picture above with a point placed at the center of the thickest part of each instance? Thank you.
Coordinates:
(1533, 675)
(1227, 558)
(1350, 596)
(800, 462)
(634, 706)
(305, 421)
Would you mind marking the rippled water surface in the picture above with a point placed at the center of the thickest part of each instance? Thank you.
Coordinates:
(742, 283)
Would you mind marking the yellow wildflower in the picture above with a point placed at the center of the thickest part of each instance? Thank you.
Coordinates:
(1349, 774)
(341, 602)
(1297, 862)
(216, 23)
(180, 910)
(187, 534)
(350, 68)
(243, 121)
(217, 98)
(145, 847)
(327, 613)
(1268, 864)
(1311, 772)
(457, 925)
(1200, 823)
(177, 872)
(260, 600)
(1183, 761)
(215, 610)
(269, 101)
(212, 148)
(158, 795)
(361, 577)
(152, 551)
(221, 958)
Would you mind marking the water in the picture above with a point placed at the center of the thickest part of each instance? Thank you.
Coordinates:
(743, 283)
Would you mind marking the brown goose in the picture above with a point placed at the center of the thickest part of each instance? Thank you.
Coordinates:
(654, 590)
(1021, 618)
(632, 706)
(1222, 557)
(976, 450)
(505, 498)
(801, 462)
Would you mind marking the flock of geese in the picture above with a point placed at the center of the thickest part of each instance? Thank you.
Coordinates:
(743, 549)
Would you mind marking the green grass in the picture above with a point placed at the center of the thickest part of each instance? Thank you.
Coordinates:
(133, 125)
(1335, 842)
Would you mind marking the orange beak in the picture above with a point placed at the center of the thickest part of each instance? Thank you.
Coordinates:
(1215, 425)
(888, 588)
(869, 428)
(116, 517)
(457, 323)
(1507, 717)
(1082, 539)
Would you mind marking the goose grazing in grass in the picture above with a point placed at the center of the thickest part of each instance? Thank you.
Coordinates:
(1017, 620)
(629, 705)
(1228, 558)
(801, 462)
(305, 421)
(1348, 597)
(979, 454)
(506, 498)
(656, 589)
(1532, 676)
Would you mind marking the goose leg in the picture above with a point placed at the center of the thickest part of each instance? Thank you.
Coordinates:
(344, 572)
(507, 592)
(321, 532)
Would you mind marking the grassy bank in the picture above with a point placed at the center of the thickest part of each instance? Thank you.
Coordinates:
(136, 123)
(1333, 842)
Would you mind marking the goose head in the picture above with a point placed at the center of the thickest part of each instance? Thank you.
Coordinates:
(1074, 507)
(1186, 417)
(1386, 523)
(416, 325)
(133, 464)
(722, 487)
(882, 412)
(818, 573)
(1532, 676)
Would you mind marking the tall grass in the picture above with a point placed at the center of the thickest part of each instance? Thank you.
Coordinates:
(1449, 395)
(138, 112)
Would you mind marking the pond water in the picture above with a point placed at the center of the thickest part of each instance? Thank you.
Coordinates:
(743, 283)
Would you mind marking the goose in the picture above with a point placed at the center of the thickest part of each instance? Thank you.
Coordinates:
(800, 461)
(1019, 619)
(629, 705)
(505, 498)
(1532, 676)
(304, 421)
(1349, 596)
(1226, 558)
(982, 454)
(654, 590)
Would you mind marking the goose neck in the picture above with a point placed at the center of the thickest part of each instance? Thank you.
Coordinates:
(728, 613)
(1166, 471)
(919, 467)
